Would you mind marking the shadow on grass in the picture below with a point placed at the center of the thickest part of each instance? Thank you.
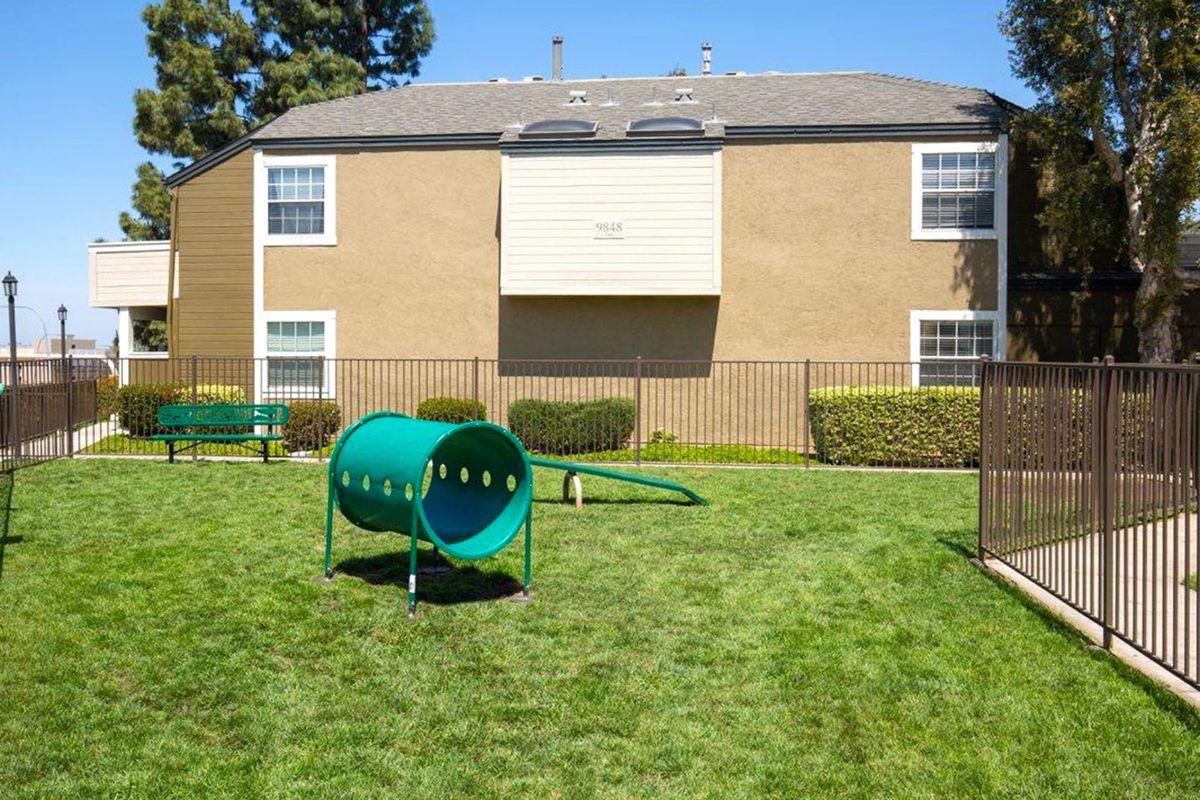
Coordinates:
(1162, 697)
(6, 493)
(461, 584)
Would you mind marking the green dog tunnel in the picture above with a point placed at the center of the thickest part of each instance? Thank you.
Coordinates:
(466, 488)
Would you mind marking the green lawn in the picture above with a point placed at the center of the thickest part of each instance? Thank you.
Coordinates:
(165, 633)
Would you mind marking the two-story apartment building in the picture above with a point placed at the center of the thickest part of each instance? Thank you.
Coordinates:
(850, 216)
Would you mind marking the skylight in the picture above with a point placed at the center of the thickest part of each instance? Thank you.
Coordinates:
(679, 126)
(559, 127)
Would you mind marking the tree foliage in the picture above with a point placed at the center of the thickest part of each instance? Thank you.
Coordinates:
(1121, 75)
(222, 69)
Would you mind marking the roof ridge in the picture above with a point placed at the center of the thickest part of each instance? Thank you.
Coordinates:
(926, 81)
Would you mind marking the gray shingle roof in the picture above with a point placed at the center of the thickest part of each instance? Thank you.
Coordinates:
(820, 103)
(738, 101)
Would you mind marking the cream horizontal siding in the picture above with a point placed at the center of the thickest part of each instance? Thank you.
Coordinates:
(668, 202)
(123, 274)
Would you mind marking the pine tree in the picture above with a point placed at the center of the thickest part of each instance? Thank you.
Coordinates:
(221, 70)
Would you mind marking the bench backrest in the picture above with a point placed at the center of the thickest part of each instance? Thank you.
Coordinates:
(222, 415)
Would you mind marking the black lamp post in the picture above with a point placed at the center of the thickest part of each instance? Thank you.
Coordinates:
(66, 368)
(10, 291)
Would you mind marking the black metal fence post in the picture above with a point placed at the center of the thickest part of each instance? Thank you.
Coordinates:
(807, 412)
(1106, 487)
(70, 384)
(637, 403)
(320, 409)
(985, 410)
(475, 388)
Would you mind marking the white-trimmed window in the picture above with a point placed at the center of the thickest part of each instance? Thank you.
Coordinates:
(947, 345)
(296, 201)
(299, 346)
(956, 191)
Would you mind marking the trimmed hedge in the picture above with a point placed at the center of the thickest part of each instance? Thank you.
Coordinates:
(451, 409)
(927, 427)
(138, 403)
(311, 424)
(592, 426)
(106, 397)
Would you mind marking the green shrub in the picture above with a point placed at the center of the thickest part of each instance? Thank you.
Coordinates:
(562, 427)
(662, 436)
(311, 424)
(138, 404)
(106, 397)
(209, 393)
(451, 409)
(926, 427)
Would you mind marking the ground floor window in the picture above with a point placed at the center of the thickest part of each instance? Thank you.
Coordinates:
(297, 349)
(948, 346)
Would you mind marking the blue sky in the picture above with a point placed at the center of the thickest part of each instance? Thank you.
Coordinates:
(69, 78)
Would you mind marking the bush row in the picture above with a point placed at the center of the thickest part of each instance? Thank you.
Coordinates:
(451, 409)
(930, 427)
(564, 427)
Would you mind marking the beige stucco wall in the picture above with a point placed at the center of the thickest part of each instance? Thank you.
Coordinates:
(817, 263)
(415, 272)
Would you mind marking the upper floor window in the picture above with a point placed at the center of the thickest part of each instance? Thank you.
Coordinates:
(957, 190)
(295, 200)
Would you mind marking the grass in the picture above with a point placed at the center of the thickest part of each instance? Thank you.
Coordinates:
(1193, 581)
(821, 634)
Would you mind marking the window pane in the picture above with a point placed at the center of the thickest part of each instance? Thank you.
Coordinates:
(958, 190)
(284, 373)
(950, 351)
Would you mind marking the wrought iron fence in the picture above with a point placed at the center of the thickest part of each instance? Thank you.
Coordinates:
(1088, 487)
(637, 410)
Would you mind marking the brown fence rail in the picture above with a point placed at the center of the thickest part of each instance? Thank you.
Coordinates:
(41, 410)
(637, 410)
(1088, 487)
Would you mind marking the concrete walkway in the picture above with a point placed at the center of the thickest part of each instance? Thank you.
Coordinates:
(1152, 606)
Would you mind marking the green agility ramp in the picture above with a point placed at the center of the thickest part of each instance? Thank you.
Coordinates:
(465, 488)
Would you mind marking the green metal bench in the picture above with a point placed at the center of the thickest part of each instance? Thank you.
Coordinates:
(231, 417)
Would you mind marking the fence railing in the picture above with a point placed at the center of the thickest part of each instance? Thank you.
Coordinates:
(1089, 487)
(752, 412)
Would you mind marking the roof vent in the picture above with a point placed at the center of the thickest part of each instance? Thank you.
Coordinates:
(498, 80)
(684, 95)
(578, 97)
(533, 79)
(666, 126)
(555, 128)
(735, 72)
(706, 59)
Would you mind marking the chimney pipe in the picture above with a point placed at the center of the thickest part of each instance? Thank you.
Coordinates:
(556, 65)
(706, 59)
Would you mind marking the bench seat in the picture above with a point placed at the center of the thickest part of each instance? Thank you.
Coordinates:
(217, 437)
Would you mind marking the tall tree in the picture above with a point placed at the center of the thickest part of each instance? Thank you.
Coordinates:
(222, 69)
(1124, 75)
